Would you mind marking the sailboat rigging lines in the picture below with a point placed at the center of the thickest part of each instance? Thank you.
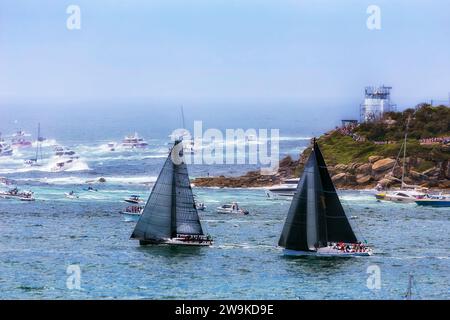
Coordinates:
(316, 223)
(170, 215)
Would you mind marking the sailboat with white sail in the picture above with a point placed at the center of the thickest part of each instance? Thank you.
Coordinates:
(406, 193)
(316, 223)
(33, 162)
(170, 216)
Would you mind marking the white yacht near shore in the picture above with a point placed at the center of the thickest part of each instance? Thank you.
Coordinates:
(286, 190)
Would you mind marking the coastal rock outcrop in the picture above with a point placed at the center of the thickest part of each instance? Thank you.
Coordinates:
(373, 159)
(383, 165)
(362, 179)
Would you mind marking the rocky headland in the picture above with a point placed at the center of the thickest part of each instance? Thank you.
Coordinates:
(365, 155)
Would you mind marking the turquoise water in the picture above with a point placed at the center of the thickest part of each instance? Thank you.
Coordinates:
(39, 240)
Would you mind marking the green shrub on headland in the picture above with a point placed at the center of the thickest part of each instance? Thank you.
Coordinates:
(426, 122)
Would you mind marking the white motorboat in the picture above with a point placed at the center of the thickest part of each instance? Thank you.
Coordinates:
(61, 151)
(286, 190)
(62, 165)
(18, 139)
(133, 211)
(5, 149)
(112, 146)
(134, 141)
(71, 195)
(200, 206)
(232, 208)
(16, 194)
(134, 199)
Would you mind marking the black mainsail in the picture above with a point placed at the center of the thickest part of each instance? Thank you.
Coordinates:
(170, 209)
(316, 216)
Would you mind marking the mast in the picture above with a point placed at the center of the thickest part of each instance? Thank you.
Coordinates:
(404, 150)
(170, 209)
(408, 295)
(38, 141)
(182, 117)
(173, 212)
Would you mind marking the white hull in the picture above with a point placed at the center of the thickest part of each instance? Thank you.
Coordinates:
(5, 196)
(224, 211)
(273, 195)
(177, 242)
(396, 199)
(327, 252)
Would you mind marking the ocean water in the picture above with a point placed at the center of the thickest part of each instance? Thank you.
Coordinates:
(40, 240)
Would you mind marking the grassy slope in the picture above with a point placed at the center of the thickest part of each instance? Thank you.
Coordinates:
(425, 122)
(342, 149)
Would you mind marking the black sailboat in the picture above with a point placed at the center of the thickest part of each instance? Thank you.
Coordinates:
(170, 215)
(316, 223)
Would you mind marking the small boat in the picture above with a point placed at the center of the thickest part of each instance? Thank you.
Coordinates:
(170, 216)
(134, 199)
(286, 190)
(5, 149)
(434, 201)
(134, 141)
(112, 146)
(61, 151)
(316, 224)
(200, 206)
(71, 195)
(133, 211)
(404, 196)
(62, 165)
(232, 208)
(16, 194)
(18, 140)
(5, 181)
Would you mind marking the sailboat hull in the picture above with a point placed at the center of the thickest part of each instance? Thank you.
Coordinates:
(394, 198)
(326, 252)
(176, 242)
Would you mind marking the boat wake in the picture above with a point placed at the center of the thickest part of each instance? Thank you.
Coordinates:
(79, 180)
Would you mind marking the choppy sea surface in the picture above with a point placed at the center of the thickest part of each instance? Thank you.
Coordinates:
(41, 239)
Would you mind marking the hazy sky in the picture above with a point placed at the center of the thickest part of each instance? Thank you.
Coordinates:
(219, 50)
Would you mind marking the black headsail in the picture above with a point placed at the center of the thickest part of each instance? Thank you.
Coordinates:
(315, 216)
(170, 209)
(338, 226)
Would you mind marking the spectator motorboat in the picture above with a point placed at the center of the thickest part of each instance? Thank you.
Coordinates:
(232, 208)
(15, 193)
(5, 149)
(286, 190)
(134, 141)
(134, 199)
(19, 141)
